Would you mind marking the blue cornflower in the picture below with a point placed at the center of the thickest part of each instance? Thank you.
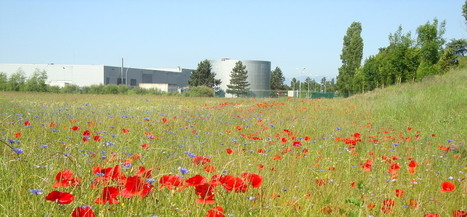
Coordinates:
(250, 198)
(150, 181)
(183, 170)
(44, 146)
(18, 150)
(35, 191)
(190, 154)
(449, 140)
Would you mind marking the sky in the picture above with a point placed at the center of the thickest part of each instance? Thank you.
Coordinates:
(302, 37)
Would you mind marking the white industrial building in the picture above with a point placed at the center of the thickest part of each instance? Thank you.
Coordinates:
(85, 75)
(259, 75)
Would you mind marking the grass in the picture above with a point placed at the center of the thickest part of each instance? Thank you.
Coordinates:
(323, 176)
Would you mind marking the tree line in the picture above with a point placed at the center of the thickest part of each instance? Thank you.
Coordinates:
(405, 59)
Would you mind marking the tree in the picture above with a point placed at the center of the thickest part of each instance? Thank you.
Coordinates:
(464, 11)
(352, 53)
(294, 84)
(459, 46)
(430, 41)
(308, 83)
(447, 60)
(238, 84)
(203, 76)
(3, 81)
(323, 83)
(36, 82)
(277, 79)
(16, 80)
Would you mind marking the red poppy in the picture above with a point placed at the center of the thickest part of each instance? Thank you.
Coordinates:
(145, 146)
(143, 172)
(459, 213)
(164, 120)
(327, 210)
(229, 151)
(206, 193)
(170, 181)
(255, 180)
(75, 128)
(125, 130)
(320, 182)
(210, 168)
(201, 160)
(196, 180)
(107, 174)
(431, 215)
(277, 157)
(307, 138)
(66, 179)
(261, 150)
(109, 194)
(413, 204)
(448, 187)
(297, 144)
(239, 127)
(367, 166)
(60, 197)
(27, 123)
(17, 134)
(134, 186)
(96, 138)
(399, 193)
(215, 212)
(52, 124)
(86, 133)
(232, 183)
(395, 166)
(388, 204)
(83, 211)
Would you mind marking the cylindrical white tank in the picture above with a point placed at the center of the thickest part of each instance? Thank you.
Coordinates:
(259, 75)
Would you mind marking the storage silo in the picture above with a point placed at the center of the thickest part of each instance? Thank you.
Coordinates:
(259, 75)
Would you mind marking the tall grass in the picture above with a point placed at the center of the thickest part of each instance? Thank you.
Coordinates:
(322, 176)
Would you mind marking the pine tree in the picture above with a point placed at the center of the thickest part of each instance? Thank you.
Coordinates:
(203, 76)
(277, 79)
(238, 83)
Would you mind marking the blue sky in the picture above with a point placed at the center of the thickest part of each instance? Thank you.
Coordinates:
(166, 34)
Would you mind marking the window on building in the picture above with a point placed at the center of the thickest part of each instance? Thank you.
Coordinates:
(133, 82)
(107, 80)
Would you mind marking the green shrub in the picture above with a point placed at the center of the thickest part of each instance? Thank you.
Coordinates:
(200, 91)
(70, 88)
(110, 89)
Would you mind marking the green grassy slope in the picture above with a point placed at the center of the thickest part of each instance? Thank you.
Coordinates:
(437, 104)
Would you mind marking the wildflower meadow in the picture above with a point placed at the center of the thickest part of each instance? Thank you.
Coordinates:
(393, 152)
